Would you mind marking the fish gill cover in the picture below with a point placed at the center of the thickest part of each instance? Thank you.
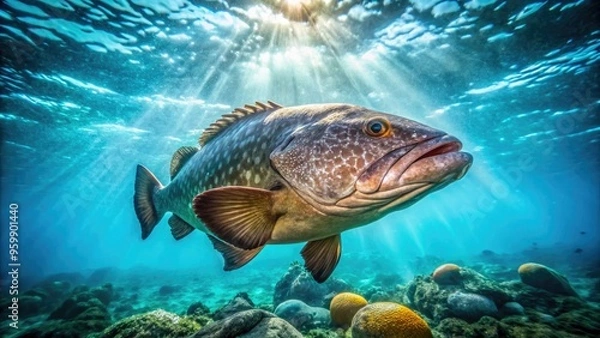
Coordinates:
(89, 89)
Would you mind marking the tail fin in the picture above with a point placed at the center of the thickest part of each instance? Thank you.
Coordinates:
(146, 184)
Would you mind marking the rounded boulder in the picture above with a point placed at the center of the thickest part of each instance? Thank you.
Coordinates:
(447, 274)
(542, 277)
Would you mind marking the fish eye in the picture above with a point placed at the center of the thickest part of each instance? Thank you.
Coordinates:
(377, 127)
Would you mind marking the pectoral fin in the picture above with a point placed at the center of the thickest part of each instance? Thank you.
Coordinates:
(179, 227)
(234, 257)
(241, 216)
(322, 256)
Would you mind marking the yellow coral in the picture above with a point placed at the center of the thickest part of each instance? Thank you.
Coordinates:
(389, 320)
(344, 306)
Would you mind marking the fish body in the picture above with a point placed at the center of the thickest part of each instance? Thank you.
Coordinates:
(266, 174)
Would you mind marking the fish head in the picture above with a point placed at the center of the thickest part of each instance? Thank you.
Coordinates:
(352, 160)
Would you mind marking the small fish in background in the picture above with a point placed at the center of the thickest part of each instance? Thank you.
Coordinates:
(265, 174)
(578, 250)
(582, 233)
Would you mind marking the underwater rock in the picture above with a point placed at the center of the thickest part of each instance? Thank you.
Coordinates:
(249, 324)
(344, 306)
(323, 333)
(542, 277)
(105, 293)
(79, 315)
(377, 294)
(430, 298)
(471, 307)
(301, 315)
(198, 308)
(447, 274)
(583, 321)
(64, 329)
(240, 302)
(454, 327)
(297, 283)
(321, 317)
(81, 306)
(43, 297)
(155, 324)
(29, 305)
(390, 320)
(512, 309)
(199, 313)
(488, 327)
(544, 301)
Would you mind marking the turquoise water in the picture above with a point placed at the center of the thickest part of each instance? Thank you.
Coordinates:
(89, 89)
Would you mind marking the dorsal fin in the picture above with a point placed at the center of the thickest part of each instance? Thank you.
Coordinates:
(236, 115)
(181, 156)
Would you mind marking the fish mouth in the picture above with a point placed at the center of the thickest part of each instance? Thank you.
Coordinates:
(407, 174)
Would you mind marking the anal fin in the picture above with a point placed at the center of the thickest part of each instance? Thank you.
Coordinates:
(322, 256)
(234, 257)
(179, 227)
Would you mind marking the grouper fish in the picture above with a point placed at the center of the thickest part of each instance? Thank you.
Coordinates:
(267, 174)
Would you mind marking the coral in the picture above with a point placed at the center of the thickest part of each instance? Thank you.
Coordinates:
(390, 320)
(344, 306)
(240, 302)
(542, 277)
(447, 274)
(155, 324)
(471, 306)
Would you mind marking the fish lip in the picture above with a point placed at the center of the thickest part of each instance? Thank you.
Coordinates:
(402, 158)
(438, 146)
(429, 166)
(449, 162)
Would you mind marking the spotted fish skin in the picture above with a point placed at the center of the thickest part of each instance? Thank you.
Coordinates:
(268, 174)
(239, 157)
